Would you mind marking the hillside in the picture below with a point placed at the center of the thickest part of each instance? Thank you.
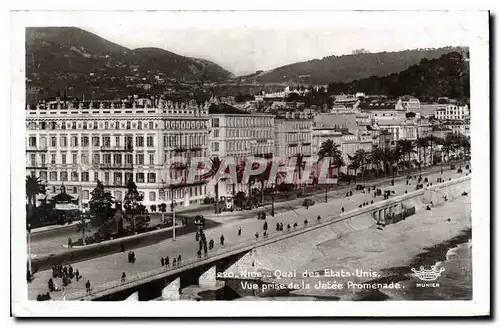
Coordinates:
(82, 63)
(446, 76)
(348, 67)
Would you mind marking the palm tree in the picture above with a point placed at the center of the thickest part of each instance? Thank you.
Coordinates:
(422, 143)
(359, 160)
(216, 164)
(34, 187)
(299, 165)
(331, 151)
(407, 148)
(432, 141)
(377, 156)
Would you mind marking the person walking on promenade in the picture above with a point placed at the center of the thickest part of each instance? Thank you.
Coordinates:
(162, 261)
(288, 227)
(239, 231)
(295, 225)
(319, 218)
(77, 275)
(211, 244)
(265, 226)
(70, 270)
(305, 222)
(265, 234)
(69, 243)
(342, 209)
(87, 286)
(129, 255)
(123, 277)
(256, 235)
(222, 240)
(51, 285)
(167, 262)
(65, 270)
(174, 263)
(281, 227)
(179, 259)
(277, 227)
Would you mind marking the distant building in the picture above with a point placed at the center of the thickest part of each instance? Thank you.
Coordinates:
(453, 112)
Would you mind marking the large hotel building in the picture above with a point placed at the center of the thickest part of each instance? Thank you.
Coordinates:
(75, 144)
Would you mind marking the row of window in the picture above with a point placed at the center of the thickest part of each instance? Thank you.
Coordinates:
(84, 141)
(117, 178)
(186, 140)
(97, 158)
(243, 122)
(117, 125)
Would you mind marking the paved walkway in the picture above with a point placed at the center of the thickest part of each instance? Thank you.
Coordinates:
(109, 268)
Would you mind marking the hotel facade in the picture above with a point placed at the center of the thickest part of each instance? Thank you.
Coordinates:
(75, 144)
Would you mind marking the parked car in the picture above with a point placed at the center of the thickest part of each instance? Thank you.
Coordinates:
(308, 202)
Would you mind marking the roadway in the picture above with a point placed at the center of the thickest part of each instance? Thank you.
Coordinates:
(53, 241)
(109, 268)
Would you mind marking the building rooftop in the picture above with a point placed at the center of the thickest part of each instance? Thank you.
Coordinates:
(224, 108)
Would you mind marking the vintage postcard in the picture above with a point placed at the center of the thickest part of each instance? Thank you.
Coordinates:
(231, 163)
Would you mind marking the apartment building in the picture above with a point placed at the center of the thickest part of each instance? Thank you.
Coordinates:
(76, 144)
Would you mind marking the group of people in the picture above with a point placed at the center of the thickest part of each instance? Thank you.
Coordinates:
(131, 256)
(66, 273)
(165, 262)
(361, 205)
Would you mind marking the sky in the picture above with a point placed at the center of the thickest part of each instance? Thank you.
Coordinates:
(245, 47)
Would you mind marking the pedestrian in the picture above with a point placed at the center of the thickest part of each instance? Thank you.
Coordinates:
(65, 270)
(77, 275)
(174, 262)
(305, 222)
(167, 262)
(265, 226)
(265, 234)
(179, 259)
(162, 262)
(87, 286)
(222, 240)
(211, 244)
(256, 235)
(288, 227)
(123, 277)
(129, 256)
(54, 272)
(281, 226)
(277, 227)
(70, 270)
(239, 231)
(372, 202)
(319, 218)
(69, 243)
(51, 285)
(295, 225)
(342, 209)
(133, 257)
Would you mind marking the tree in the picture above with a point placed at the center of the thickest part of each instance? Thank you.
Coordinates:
(432, 141)
(407, 147)
(299, 165)
(422, 143)
(34, 187)
(101, 209)
(331, 151)
(132, 205)
(216, 164)
(377, 156)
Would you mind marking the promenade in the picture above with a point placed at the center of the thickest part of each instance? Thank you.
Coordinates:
(109, 268)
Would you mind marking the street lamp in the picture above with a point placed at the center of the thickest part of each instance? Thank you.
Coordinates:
(272, 199)
(172, 206)
(29, 249)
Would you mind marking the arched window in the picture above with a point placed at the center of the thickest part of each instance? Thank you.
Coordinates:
(128, 125)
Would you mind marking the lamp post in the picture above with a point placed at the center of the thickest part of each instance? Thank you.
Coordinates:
(172, 206)
(272, 200)
(29, 249)
(83, 226)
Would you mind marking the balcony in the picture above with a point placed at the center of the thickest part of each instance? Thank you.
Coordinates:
(116, 166)
(184, 183)
(34, 148)
(179, 149)
(37, 166)
(117, 148)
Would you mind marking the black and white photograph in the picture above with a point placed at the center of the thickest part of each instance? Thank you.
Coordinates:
(337, 159)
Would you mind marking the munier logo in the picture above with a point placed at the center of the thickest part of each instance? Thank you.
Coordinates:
(427, 274)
